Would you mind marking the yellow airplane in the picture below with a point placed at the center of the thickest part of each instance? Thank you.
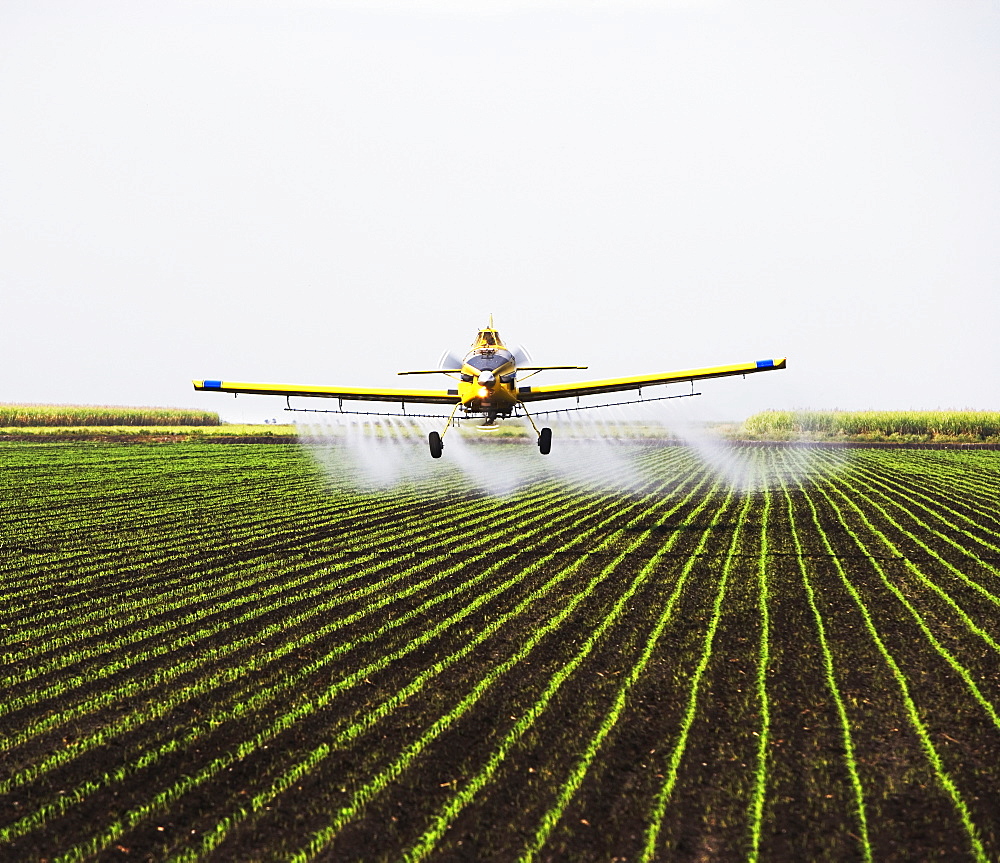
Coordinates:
(489, 386)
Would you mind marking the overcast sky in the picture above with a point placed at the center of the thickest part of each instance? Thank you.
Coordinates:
(331, 192)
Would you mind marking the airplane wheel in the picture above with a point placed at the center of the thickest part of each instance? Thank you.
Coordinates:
(545, 441)
(434, 439)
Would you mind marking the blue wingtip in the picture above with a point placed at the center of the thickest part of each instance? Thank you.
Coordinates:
(761, 364)
(211, 385)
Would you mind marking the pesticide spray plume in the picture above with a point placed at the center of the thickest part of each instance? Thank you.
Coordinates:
(603, 451)
(736, 464)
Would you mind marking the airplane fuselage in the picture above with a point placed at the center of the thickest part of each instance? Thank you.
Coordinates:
(488, 380)
(487, 383)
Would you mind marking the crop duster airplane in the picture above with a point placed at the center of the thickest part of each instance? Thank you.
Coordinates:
(489, 385)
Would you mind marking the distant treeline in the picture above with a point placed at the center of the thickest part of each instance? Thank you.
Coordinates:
(20, 416)
(927, 425)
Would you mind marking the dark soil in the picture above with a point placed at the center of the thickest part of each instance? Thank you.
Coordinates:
(388, 698)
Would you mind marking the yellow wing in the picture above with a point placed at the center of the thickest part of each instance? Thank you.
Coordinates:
(427, 397)
(614, 385)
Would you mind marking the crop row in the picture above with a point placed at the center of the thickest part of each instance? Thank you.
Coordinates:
(798, 664)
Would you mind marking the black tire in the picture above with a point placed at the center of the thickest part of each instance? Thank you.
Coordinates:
(545, 441)
(434, 439)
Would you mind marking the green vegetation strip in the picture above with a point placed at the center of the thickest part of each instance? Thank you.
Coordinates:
(18, 416)
(579, 772)
(763, 657)
(945, 654)
(850, 761)
(216, 606)
(654, 818)
(926, 529)
(944, 780)
(913, 425)
(253, 694)
(163, 799)
(939, 483)
(441, 822)
(174, 619)
(366, 793)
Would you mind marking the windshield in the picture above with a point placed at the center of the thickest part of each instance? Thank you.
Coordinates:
(491, 362)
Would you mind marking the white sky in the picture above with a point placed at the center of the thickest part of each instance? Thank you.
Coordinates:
(331, 192)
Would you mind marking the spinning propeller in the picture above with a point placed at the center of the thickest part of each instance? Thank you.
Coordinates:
(450, 360)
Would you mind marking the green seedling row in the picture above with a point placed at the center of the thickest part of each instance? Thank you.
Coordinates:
(250, 653)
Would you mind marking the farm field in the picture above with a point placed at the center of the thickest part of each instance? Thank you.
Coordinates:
(259, 653)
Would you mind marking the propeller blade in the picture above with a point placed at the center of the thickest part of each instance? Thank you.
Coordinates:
(521, 355)
(450, 360)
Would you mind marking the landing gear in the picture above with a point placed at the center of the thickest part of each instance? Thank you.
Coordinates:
(545, 441)
(436, 444)
(435, 440)
(544, 436)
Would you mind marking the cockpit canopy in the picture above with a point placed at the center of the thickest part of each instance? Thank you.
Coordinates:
(487, 339)
(488, 354)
